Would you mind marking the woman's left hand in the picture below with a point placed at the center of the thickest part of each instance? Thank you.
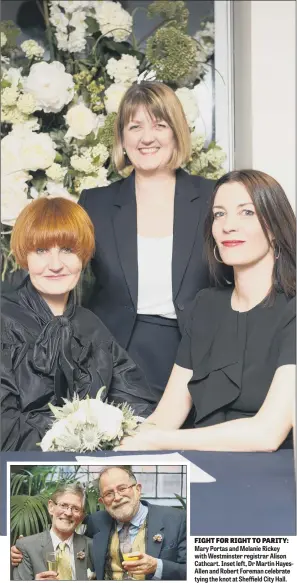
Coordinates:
(153, 439)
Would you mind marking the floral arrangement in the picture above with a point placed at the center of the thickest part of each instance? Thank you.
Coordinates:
(59, 101)
(88, 425)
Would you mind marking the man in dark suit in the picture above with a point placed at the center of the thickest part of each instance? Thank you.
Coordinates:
(66, 507)
(155, 534)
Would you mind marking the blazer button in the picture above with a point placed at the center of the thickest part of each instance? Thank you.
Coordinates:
(181, 307)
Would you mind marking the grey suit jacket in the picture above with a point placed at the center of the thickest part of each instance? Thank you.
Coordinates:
(34, 549)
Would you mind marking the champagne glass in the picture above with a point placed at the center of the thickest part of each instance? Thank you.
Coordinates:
(129, 554)
(52, 561)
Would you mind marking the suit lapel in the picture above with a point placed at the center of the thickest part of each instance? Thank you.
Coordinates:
(125, 231)
(100, 544)
(154, 526)
(186, 220)
(46, 546)
(80, 544)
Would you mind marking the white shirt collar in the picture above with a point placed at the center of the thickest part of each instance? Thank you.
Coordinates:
(56, 540)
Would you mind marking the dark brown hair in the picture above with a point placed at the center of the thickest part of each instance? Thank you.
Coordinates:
(276, 217)
(124, 468)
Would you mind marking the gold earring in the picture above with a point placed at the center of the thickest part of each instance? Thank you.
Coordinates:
(214, 252)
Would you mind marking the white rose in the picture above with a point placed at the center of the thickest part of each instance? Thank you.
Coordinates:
(81, 164)
(32, 49)
(113, 20)
(189, 104)
(56, 172)
(13, 76)
(113, 96)
(100, 151)
(55, 189)
(11, 153)
(14, 190)
(3, 39)
(92, 181)
(123, 70)
(9, 96)
(26, 103)
(51, 86)
(37, 151)
(110, 420)
(81, 121)
(55, 432)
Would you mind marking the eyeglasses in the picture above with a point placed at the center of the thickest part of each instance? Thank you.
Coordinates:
(122, 490)
(65, 507)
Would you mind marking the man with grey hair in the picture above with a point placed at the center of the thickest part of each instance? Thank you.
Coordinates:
(73, 551)
(132, 538)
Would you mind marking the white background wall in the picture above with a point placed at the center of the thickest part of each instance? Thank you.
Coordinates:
(264, 88)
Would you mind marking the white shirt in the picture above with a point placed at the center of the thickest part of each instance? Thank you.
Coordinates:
(69, 542)
(155, 276)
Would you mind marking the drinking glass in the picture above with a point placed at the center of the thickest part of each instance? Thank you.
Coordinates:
(52, 561)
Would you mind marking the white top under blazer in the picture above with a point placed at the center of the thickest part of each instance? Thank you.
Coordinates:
(155, 276)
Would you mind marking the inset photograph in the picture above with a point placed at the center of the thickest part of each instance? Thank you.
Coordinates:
(96, 522)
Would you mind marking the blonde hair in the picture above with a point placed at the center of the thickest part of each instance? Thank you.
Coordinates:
(161, 103)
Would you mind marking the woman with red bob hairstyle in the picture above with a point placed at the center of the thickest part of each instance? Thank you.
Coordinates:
(52, 347)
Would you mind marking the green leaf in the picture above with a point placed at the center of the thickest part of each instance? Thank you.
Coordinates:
(92, 25)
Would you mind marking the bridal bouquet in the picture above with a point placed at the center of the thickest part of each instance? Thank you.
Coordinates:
(88, 425)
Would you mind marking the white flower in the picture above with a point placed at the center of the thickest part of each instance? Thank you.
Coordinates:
(189, 103)
(14, 190)
(56, 172)
(113, 20)
(110, 420)
(32, 49)
(62, 41)
(113, 96)
(9, 96)
(13, 76)
(216, 157)
(76, 41)
(100, 151)
(82, 164)
(27, 150)
(92, 181)
(51, 86)
(57, 18)
(55, 189)
(3, 39)
(123, 70)
(31, 123)
(26, 103)
(198, 141)
(81, 121)
(72, 5)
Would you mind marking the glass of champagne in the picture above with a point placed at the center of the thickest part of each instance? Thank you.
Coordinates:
(52, 561)
(129, 554)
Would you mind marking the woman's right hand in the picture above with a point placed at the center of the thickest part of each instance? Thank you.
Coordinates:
(16, 556)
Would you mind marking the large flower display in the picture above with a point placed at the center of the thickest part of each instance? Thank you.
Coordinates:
(59, 101)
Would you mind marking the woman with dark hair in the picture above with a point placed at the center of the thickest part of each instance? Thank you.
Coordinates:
(51, 347)
(236, 359)
(148, 263)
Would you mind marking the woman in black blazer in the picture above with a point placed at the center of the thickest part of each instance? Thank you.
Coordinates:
(148, 263)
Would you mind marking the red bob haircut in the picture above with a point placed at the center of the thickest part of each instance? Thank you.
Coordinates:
(52, 222)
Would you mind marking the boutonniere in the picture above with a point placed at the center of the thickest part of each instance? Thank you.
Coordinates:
(81, 555)
(157, 538)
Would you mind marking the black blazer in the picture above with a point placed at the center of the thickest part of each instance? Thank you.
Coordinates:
(169, 522)
(113, 212)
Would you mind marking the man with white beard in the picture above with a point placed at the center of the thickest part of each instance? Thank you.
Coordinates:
(151, 538)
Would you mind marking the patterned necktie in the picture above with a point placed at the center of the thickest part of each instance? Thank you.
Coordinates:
(124, 538)
(64, 565)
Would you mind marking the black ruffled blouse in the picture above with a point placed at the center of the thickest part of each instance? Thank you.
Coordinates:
(234, 355)
(47, 357)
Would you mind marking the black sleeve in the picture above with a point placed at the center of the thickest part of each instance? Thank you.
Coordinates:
(19, 431)
(177, 570)
(128, 384)
(287, 336)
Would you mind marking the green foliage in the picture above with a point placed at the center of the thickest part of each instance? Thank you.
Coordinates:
(171, 53)
(176, 12)
(105, 134)
(11, 31)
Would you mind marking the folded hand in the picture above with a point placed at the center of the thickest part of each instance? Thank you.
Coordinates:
(145, 565)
